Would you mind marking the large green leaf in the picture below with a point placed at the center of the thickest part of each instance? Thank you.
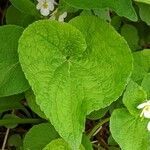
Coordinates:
(60, 144)
(69, 78)
(133, 96)
(12, 80)
(121, 7)
(39, 136)
(129, 132)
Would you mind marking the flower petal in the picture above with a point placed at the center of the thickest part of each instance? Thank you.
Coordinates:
(148, 102)
(62, 17)
(146, 114)
(142, 105)
(39, 5)
(148, 126)
(51, 6)
(40, 1)
(45, 12)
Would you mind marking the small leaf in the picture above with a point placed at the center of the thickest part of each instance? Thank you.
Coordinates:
(146, 84)
(130, 33)
(15, 140)
(133, 96)
(129, 132)
(111, 141)
(12, 80)
(121, 7)
(59, 144)
(39, 136)
(116, 22)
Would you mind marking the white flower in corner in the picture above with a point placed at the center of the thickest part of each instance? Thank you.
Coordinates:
(45, 6)
(145, 109)
(148, 126)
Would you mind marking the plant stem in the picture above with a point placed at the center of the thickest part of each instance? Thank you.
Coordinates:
(93, 131)
(5, 139)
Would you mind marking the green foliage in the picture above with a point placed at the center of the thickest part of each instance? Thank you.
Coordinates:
(144, 11)
(146, 84)
(86, 142)
(15, 141)
(25, 6)
(122, 7)
(141, 64)
(143, 1)
(130, 125)
(14, 16)
(12, 80)
(129, 131)
(95, 115)
(130, 33)
(59, 144)
(137, 97)
(11, 102)
(9, 121)
(39, 136)
(31, 100)
(79, 70)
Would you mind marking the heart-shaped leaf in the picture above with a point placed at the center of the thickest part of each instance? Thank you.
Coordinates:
(73, 73)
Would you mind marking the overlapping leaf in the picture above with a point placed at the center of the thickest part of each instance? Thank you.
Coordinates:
(12, 80)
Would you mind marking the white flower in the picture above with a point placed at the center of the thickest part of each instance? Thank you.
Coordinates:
(60, 18)
(146, 109)
(45, 6)
(148, 126)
